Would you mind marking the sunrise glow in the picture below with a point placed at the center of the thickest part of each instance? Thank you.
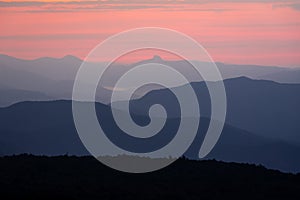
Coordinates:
(239, 32)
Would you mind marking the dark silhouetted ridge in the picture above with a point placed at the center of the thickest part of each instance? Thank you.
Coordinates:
(31, 177)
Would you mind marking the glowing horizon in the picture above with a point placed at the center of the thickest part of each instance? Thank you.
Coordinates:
(264, 32)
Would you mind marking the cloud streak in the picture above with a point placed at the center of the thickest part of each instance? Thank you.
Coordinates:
(132, 2)
(129, 4)
(295, 6)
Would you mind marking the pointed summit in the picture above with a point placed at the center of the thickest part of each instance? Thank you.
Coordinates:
(157, 58)
(154, 59)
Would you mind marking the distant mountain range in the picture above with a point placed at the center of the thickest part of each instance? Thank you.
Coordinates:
(51, 78)
(262, 124)
(47, 128)
(266, 108)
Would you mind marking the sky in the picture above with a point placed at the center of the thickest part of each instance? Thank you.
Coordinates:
(261, 32)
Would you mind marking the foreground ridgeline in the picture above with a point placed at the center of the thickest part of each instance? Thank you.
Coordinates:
(70, 177)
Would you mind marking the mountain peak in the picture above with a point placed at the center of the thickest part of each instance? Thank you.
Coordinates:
(70, 57)
(157, 58)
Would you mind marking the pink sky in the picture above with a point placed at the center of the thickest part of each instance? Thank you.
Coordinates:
(266, 32)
